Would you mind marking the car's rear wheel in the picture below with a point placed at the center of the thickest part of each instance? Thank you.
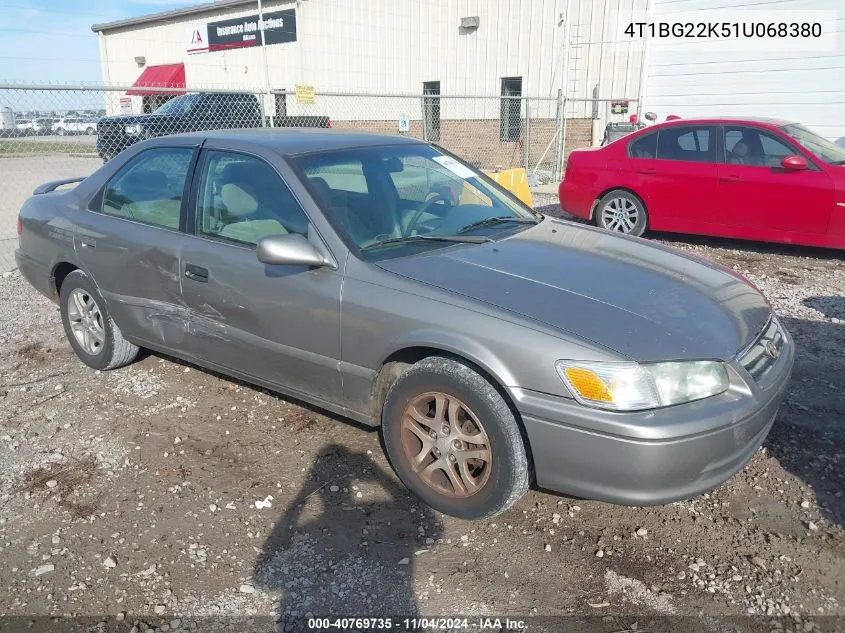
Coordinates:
(89, 131)
(453, 440)
(60, 131)
(622, 212)
(89, 328)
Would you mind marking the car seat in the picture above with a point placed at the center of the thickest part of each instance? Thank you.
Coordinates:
(338, 210)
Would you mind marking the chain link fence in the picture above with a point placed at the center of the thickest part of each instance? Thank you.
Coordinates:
(49, 132)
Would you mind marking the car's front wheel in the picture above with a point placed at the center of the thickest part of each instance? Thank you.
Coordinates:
(89, 131)
(60, 131)
(623, 212)
(89, 328)
(453, 440)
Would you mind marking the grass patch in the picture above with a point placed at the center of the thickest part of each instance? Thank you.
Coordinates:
(10, 146)
(68, 477)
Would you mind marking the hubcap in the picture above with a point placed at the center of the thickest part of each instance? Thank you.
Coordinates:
(446, 445)
(619, 214)
(86, 321)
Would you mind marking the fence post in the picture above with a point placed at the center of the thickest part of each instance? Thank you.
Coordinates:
(424, 118)
(563, 138)
(556, 169)
(526, 137)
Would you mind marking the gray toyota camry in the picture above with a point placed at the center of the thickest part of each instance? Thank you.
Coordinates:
(387, 281)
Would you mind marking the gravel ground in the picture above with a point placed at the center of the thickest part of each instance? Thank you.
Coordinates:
(161, 492)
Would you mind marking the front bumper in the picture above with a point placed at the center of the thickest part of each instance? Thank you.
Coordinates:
(652, 457)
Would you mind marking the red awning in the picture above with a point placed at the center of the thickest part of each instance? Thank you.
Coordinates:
(163, 76)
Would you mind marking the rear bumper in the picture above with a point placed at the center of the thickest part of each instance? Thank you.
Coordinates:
(653, 457)
(574, 200)
(36, 273)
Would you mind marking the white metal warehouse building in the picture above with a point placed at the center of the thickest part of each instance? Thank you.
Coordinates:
(799, 80)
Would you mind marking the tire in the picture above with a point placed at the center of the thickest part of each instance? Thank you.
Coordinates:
(60, 131)
(89, 131)
(499, 480)
(621, 211)
(113, 351)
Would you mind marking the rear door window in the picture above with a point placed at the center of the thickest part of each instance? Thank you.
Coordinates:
(687, 143)
(149, 188)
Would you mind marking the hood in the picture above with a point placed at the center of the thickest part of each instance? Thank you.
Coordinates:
(146, 119)
(641, 300)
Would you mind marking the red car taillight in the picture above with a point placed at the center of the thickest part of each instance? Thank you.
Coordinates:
(329, 124)
(20, 225)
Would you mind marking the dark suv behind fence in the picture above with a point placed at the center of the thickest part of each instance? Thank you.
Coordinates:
(191, 113)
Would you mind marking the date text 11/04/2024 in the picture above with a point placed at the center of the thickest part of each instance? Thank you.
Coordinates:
(418, 624)
(717, 30)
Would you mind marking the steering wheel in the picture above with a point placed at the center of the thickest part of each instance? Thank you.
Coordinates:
(412, 223)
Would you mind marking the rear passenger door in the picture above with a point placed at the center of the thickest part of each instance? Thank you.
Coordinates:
(129, 242)
(275, 324)
(679, 183)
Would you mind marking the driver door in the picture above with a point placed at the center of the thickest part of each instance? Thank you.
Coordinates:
(755, 192)
(277, 324)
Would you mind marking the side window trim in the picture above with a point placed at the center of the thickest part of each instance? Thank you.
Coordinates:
(98, 201)
(192, 214)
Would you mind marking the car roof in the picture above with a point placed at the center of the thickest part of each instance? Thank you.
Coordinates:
(289, 141)
(770, 121)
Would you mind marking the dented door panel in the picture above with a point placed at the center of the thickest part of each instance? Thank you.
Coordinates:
(136, 268)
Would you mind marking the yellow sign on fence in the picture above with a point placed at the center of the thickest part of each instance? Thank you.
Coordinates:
(305, 94)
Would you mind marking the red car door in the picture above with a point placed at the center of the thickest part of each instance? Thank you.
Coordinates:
(757, 193)
(679, 183)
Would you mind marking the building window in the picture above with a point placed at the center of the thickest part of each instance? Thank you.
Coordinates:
(510, 127)
(431, 110)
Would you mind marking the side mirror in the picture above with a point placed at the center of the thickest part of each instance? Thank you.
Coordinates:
(794, 163)
(291, 249)
(650, 116)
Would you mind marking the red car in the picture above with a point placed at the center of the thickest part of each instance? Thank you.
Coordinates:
(757, 179)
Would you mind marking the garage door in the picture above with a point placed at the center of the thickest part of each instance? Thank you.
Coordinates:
(709, 77)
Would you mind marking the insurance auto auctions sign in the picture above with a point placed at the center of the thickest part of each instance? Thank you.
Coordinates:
(279, 28)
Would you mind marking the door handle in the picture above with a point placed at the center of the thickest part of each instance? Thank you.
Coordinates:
(196, 273)
(85, 244)
(729, 178)
(647, 170)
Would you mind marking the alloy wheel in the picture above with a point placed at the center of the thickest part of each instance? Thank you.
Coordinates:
(86, 321)
(620, 214)
(446, 445)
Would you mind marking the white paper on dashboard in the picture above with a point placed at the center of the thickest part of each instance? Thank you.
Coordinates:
(461, 171)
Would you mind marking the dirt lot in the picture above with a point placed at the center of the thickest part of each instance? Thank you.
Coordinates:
(133, 495)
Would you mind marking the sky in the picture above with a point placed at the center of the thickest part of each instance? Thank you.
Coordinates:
(52, 41)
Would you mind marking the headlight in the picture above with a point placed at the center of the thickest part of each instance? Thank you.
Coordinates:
(133, 130)
(628, 386)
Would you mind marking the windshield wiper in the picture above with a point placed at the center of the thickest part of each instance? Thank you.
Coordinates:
(501, 219)
(427, 238)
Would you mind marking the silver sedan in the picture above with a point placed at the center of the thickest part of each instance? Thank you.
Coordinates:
(385, 280)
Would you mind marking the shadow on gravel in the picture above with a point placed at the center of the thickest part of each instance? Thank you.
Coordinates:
(346, 545)
(808, 438)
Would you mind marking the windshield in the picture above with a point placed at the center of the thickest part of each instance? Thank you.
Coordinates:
(823, 149)
(403, 199)
(178, 105)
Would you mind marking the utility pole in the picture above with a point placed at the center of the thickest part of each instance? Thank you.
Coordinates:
(264, 60)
